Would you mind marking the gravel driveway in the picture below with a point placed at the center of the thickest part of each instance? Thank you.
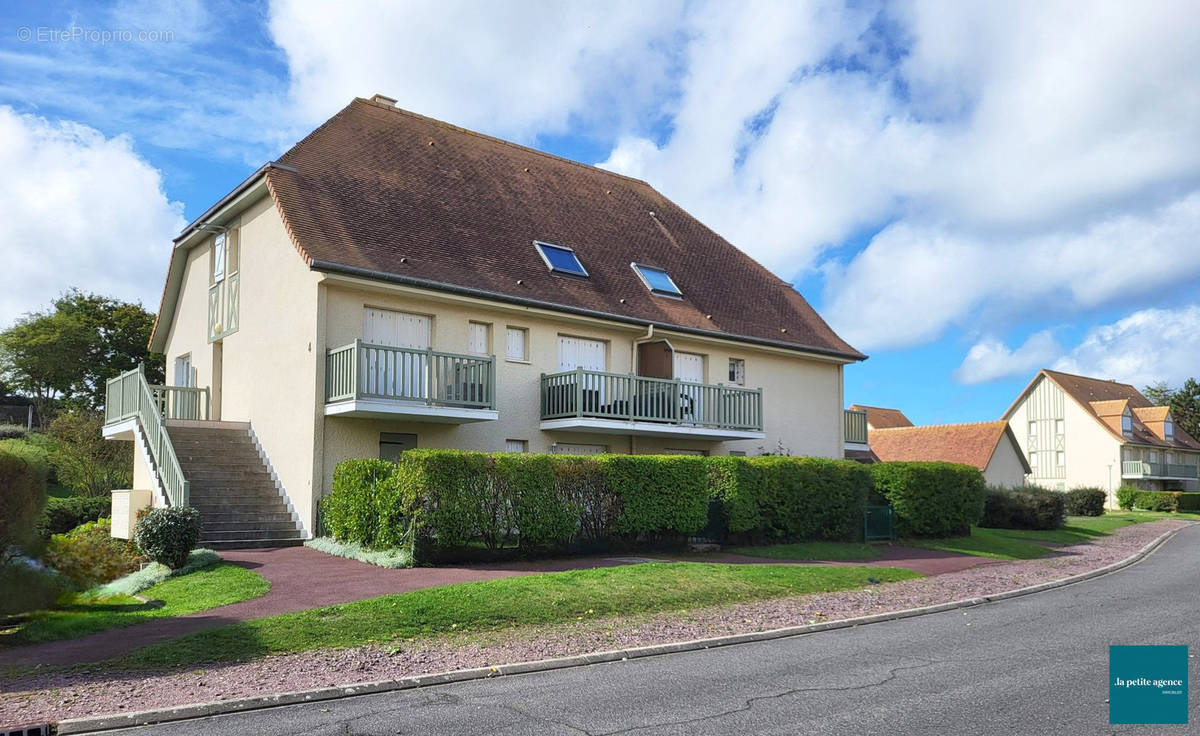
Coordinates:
(66, 694)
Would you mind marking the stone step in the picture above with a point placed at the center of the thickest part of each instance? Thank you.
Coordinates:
(230, 536)
(252, 543)
(204, 475)
(246, 517)
(257, 524)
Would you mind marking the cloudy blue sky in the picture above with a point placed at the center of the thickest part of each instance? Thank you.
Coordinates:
(967, 191)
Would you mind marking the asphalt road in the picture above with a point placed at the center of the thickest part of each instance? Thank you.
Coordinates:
(1031, 665)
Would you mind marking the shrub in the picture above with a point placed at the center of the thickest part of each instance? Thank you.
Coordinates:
(64, 514)
(1189, 502)
(1157, 500)
(1086, 501)
(350, 512)
(542, 518)
(582, 484)
(1023, 507)
(931, 499)
(661, 495)
(22, 493)
(89, 555)
(28, 586)
(1126, 495)
(168, 535)
(12, 432)
(83, 460)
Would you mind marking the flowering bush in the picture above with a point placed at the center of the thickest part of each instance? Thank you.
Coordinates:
(89, 555)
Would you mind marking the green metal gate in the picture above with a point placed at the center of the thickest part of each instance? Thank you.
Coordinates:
(877, 523)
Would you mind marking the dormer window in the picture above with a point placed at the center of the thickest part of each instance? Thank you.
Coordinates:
(560, 259)
(656, 280)
(1127, 425)
(1169, 429)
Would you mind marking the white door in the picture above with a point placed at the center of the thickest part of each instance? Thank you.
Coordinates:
(183, 371)
(690, 367)
(177, 404)
(392, 373)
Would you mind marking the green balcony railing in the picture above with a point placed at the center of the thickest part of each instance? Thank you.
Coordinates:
(600, 395)
(1143, 469)
(128, 396)
(364, 371)
(856, 426)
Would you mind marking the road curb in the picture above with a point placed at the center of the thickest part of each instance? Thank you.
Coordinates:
(202, 710)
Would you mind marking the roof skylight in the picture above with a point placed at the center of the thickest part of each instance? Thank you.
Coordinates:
(560, 258)
(656, 280)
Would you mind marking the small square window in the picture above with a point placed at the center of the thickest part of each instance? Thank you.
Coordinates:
(516, 445)
(1033, 429)
(515, 343)
(1169, 429)
(656, 280)
(1060, 458)
(1033, 459)
(479, 338)
(737, 453)
(737, 371)
(560, 258)
(1060, 427)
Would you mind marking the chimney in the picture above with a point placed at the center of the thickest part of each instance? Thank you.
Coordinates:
(383, 99)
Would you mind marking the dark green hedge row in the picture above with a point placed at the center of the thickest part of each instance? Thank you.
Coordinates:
(23, 474)
(1129, 497)
(1086, 501)
(1023, 507)
(440, 503)
(64, 514)
(931, 499)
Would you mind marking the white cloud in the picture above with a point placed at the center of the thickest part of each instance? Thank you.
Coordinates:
(990, 359)
(1146, 347)
(78, 209)
(514, 69)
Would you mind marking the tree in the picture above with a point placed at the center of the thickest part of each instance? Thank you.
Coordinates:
(1184, 402)
(84, 461)
(66, 354)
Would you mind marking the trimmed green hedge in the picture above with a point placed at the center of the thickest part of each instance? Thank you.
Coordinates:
(1023, 507)
(1189, 502)
(23, 472)
(1086, 501)
(931, 499)
(64, 514)
(447, 504)
(1126, 495)
(1157, 500)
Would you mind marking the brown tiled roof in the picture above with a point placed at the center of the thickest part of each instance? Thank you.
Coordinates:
(1106, 401)
(970, 444)
(880, 418)
(389, 194)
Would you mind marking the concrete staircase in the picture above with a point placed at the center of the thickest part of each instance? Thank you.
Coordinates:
(239, 505)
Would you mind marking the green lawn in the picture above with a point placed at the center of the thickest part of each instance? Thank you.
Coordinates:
(210, 587)
(1019, 544)
(498, 604)
(834, 551)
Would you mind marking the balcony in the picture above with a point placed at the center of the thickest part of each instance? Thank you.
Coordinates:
(363, 380)
(614, 403)
(856, 427)
(1142, 469)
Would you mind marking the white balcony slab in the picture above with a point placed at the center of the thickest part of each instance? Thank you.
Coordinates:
(649, 429)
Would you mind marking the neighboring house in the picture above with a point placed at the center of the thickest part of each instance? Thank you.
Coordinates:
(989, 446)
(1078, 431)
(393, 282)
(856, 447)
(880, 418)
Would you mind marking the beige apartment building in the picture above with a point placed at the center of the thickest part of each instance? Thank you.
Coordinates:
(393, 282)
(1077, 431)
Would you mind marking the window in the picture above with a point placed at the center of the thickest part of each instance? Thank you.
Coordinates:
(698, 453)
(391, 444)
(1126, 425)
(1060, 458)
(1033, 429)
(1033, 459)
(479, 338)
(1153, 456)
(218, 259)
(737, 371)
(515, 343)
(1060, 427)
(737, 453)
(183, 371)
(516, 445)
(1169, 429)
(560, 259)
(567, 448)
(656, 280)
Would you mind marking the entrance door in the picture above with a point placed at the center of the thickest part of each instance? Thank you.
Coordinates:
(690, 367)
(389, 372)
(577, 352)
(178, 404)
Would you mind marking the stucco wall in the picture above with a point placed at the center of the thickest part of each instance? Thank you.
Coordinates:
(802, 397)
(1005, 468)
(188, 332)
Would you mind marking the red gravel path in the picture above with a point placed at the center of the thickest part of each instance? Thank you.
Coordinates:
(302, 578)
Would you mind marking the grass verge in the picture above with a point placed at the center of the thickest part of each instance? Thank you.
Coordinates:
(1021, 544)
(213, 586)
(833, 551)
(510, 602)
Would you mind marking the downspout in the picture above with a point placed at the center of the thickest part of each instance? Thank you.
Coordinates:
(633, 364)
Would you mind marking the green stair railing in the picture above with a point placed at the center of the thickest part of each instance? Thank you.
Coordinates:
(128, 396)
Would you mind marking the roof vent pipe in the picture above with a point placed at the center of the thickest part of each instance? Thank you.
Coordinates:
(383, 99)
